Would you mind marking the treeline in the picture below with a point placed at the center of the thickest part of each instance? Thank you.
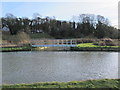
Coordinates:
(85, 25)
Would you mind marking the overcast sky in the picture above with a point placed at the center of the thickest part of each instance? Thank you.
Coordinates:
(62, 10)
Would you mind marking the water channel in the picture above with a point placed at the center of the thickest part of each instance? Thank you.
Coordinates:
(42, 66)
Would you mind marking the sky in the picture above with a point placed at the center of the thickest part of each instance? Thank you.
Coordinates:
(62, 10)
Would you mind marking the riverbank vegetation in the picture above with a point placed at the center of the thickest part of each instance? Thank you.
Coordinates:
(93, 47)
(79, 47)
(101, 83)
(9, 49)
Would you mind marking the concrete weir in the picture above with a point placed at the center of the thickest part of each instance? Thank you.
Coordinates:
(54, 44)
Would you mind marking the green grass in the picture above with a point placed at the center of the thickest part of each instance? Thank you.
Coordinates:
(102, 83)
(86, 45)
(15, 48)
(93, 46)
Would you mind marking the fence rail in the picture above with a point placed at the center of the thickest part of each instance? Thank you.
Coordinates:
(54, 42)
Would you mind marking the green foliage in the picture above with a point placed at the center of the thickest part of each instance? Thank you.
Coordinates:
(86, 27)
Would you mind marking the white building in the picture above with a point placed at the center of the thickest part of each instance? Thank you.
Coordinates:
(6, 29)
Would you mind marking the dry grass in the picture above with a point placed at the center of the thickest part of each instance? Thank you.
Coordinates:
(13, 40)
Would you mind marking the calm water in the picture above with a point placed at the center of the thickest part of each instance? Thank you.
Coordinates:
(28, 67)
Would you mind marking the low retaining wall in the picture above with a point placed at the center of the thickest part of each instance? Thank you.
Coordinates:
(64, 49)
(51, 49)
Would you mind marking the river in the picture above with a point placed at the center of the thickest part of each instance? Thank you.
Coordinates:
(42, 66)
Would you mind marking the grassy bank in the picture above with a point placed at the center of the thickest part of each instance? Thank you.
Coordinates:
(92, 47)
(102, 83)
(9, 49)
(79, 47)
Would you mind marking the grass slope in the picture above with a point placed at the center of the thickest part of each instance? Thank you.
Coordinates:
(102, 83)
(92, 45)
